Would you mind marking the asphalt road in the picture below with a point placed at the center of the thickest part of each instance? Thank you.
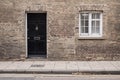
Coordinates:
(57, 77)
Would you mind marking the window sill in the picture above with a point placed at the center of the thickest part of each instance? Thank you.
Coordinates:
(91, 38)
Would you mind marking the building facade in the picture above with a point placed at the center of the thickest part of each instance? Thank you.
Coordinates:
(60, 29)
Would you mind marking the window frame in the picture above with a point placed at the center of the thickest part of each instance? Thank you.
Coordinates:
(89, 34)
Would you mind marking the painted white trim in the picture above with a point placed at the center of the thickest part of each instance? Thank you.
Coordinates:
(79, 24)
(47, 34)
(101, 25)
(90, 22)
(89, 28)
(26, 34)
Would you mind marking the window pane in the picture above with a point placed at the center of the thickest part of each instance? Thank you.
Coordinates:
(97, 15)
(93, 23)
(84, 15)
(93, 16)
(86, 23)
(93, 30)
(86, 29)
(97, 23)
(93, 27)
(97, 29)
(82, 30)
(82, 23)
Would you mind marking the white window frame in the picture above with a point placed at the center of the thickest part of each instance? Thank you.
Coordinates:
(89, 34)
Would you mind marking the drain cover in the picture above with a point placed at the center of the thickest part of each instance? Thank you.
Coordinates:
(37, 65)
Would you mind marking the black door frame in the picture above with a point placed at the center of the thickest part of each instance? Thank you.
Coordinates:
(26, 15)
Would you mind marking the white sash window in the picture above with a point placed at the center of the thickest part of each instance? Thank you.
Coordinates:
(90, 24)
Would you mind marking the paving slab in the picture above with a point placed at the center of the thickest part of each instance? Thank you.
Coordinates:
(108, 66)
(36, 66)
(25, 66)
(84, 66)
(72, 66)
(4, 65)
(60, 66)
(95, 66)
(49, 66)
(116, 64)
(13, 66)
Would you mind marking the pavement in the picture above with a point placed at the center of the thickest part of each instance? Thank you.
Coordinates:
(102, 67)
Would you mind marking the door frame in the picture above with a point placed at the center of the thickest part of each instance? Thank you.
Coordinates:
(26, 32)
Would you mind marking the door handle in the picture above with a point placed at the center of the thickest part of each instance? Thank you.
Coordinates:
(36, 38)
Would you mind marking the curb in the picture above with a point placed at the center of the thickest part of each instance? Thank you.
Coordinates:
(62, 72)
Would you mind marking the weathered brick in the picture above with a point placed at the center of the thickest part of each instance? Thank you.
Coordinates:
(63, 41)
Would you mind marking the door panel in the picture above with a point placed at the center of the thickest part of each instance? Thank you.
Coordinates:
(36, 33)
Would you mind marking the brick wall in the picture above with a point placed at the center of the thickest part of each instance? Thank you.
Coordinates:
(63, 42)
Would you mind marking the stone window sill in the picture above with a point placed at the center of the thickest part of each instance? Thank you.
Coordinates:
(91, 38)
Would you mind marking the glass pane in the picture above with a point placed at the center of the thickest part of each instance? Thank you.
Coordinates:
(97, 23)
(93, 30)
(93, 23)
(97, 15)
(97, 29)
(82, 29)
(93, 16)
(93, 27)
(86, 23)
(86, 29)
(82, 23)
(84, 15)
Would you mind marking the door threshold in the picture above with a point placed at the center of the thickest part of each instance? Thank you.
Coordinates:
(37, 58)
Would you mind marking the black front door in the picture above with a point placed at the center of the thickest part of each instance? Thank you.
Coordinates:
(36, 34)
